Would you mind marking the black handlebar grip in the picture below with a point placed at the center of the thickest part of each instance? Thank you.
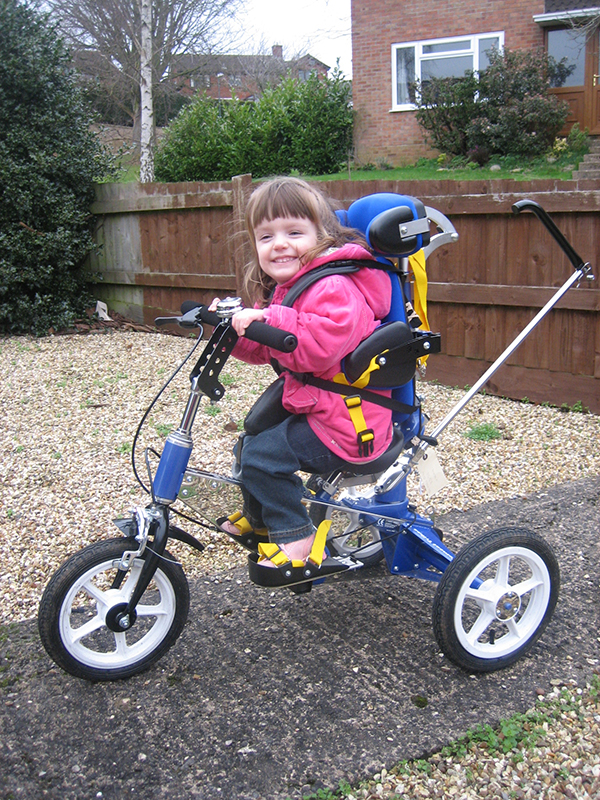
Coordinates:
(257, 331)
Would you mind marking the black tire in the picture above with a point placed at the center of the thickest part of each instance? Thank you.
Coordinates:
(347, 537)
(491, 626)
(81, 592)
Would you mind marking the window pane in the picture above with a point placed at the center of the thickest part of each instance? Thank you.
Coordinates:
(446, 67)
(570, 45)
(447, 47)
(405, 75)
(485, 45)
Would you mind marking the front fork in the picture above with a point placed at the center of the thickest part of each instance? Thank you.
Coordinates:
(151, 522)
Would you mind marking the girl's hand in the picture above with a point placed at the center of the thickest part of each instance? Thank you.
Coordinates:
(242, 319)
(213, 305)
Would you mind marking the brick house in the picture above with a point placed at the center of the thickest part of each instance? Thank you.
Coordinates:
(245, 76)
(395, 42)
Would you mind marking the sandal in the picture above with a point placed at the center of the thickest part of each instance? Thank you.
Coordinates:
(248, 537)
(318, 564)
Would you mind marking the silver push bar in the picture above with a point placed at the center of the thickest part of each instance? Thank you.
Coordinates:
(582, 270)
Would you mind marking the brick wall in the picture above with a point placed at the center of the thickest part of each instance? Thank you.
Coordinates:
(394, 137)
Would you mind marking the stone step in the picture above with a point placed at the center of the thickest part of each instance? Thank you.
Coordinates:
(586, 174)
(594, 144)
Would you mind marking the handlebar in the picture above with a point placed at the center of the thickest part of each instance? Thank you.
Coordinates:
(192, 314)
(542, 215)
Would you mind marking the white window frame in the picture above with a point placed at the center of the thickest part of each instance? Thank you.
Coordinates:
(472, 49)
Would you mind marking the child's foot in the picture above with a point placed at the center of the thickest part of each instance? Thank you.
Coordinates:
(297, 551)
(229, 527)
(238, 527)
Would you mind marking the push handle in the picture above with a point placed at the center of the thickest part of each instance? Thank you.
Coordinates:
(192, 314)
(542, 215)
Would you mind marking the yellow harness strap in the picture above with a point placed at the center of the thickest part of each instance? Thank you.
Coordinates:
(364, 379)
(417, 264)
(364, 436)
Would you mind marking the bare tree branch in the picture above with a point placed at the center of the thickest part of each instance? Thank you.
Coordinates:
(104, 36)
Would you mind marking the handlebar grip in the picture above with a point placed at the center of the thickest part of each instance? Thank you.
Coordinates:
(260, 332)
(257, 331)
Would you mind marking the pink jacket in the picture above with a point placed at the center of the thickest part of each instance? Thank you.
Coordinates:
(330, 319)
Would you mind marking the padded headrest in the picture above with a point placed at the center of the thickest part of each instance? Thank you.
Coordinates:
(393, 224)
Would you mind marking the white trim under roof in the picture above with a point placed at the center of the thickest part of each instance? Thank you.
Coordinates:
(545, 20)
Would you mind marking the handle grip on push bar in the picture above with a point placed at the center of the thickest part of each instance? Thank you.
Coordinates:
(542, 215)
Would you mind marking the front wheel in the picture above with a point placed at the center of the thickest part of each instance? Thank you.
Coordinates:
(72, 617)
(495, 599)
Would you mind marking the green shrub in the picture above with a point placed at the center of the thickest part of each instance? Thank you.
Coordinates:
(296, 126)
(506, 110)
(48, 163)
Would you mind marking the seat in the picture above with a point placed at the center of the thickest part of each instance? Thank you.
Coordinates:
(398, 228)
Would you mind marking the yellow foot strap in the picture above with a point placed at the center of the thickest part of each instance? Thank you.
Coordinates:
(318, 549)
(243, 526)
(273, 553)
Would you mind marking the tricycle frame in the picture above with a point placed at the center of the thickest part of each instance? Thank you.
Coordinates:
(512, 611)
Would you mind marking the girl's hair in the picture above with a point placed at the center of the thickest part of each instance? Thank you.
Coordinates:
(291, 197)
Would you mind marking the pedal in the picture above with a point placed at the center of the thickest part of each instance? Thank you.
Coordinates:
(287, 575)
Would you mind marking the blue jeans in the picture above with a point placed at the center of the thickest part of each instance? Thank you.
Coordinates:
(272, 491)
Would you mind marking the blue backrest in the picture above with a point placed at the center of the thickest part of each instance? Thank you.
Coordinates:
(381, 218)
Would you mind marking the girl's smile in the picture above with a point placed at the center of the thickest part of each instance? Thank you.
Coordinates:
(281, 244)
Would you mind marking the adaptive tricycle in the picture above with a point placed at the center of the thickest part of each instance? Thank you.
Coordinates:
(114, 608)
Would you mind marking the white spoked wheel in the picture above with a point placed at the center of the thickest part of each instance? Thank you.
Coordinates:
(495, 599)
(74, 618)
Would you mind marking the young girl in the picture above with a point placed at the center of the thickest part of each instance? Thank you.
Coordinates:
(293, 230)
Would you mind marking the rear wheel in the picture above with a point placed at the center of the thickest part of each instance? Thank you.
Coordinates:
(82, 597)
(495, 599)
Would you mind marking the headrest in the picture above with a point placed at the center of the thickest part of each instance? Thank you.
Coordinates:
(393, 224)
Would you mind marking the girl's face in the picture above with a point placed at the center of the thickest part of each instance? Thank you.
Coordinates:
(281, 243)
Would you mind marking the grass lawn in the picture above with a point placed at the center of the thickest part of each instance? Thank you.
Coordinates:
(435, 169)
(558, 165)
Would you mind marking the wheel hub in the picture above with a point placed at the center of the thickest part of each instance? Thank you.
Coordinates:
(118, 620)
(508, 606)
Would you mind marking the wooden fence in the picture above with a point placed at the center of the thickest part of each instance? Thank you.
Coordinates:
(165, 243)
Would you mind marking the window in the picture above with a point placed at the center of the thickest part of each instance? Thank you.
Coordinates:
(437, 58)
(568, 44)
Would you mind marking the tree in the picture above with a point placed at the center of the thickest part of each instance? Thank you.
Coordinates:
(49, 161)
(147, 108)
(105, 39)
(299, 125)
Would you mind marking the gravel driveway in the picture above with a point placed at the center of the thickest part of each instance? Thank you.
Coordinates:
(265, 696)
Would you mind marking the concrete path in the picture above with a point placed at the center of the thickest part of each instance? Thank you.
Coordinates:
(274, 695)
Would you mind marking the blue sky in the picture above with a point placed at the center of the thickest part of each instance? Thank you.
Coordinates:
(320, 27)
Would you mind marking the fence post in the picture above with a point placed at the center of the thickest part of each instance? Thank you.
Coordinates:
(241, 186)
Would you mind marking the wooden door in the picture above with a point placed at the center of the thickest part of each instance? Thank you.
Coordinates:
(581, 87)
(592, 121)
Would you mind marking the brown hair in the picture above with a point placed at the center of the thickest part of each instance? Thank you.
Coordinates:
(291, 197)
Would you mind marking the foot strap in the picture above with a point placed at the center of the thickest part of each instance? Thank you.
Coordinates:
(248, 537)
(296, 571)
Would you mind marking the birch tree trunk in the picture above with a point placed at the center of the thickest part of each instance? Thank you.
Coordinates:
(147, 108)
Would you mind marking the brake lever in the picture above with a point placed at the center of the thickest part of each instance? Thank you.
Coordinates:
(188, 320)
